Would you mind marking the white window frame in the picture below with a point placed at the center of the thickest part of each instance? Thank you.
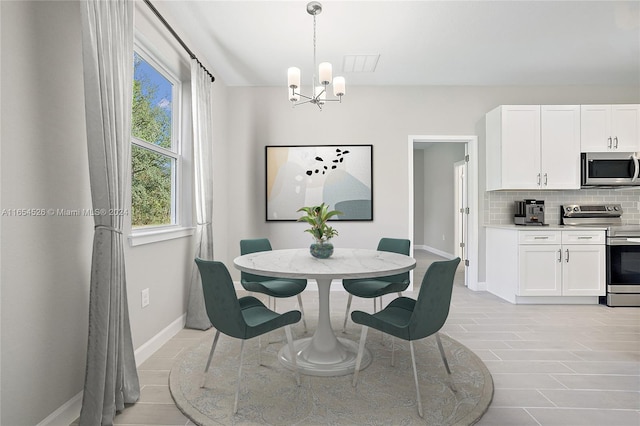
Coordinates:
(181, 190)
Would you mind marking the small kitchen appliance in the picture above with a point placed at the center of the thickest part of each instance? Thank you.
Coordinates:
(529, 212)
(622, 248)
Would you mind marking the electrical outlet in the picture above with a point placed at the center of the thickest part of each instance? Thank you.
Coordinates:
(145, 297)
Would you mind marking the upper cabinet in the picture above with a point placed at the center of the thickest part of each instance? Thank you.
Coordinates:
(533, 147)
(610, 128)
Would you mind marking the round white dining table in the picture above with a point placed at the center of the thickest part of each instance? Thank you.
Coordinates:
(324, 354)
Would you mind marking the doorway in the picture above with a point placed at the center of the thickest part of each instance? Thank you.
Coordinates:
(471, 256)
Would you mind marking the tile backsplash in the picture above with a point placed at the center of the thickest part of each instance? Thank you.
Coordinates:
(499, 205)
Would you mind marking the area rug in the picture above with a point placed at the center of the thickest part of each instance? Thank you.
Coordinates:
(385, 394)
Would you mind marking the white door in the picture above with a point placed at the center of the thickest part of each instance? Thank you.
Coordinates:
(461, 208)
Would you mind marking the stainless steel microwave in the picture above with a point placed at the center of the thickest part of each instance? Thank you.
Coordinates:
(610, 169)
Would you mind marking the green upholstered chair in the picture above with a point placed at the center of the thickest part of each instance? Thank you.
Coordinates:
(242, 318)
(410, 319)
(273, 287)
(371, 288)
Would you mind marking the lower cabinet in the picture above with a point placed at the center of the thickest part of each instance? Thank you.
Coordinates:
(554, 265)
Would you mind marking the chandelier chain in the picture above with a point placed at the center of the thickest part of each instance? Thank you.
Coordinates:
(314, 45)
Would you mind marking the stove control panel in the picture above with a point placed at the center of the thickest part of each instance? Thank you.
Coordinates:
(591, 210)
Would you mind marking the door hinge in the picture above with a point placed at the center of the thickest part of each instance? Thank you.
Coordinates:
(466, 210)
(466, 158)
(462, 245)
(466, 262)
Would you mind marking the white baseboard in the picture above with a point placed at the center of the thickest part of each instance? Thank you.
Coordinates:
(152, 345)
(70, 410)
(434, 250)
(66, 414)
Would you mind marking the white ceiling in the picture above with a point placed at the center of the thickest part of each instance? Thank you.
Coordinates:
(252, 43)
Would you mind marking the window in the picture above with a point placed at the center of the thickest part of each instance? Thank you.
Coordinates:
(154, 149)
(160, 197)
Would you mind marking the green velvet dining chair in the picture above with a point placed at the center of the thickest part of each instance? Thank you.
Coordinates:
(372, 288)
(410, 319)
(242, 318)
(273, 287)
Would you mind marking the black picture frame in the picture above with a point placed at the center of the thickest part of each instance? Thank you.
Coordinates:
(308, 175)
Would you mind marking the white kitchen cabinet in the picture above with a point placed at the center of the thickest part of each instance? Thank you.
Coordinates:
(610, 128)
(533, 147)
(546, 266)
(583, 270)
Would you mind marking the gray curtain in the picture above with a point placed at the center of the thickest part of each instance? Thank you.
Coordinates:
(111, 379)
(201, 94)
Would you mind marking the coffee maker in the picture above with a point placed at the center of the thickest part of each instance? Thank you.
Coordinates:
(529, 212)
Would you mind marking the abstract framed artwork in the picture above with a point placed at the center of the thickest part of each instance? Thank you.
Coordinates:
(338, 175)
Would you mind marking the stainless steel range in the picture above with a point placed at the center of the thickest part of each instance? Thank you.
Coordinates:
(623, 248)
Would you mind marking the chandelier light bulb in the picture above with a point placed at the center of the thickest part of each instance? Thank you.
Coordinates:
(324, 72)
(293, 77)
(339, 86)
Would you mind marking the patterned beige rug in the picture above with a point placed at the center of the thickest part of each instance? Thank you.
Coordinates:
(385, 395)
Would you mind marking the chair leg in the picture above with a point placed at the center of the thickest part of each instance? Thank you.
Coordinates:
(363, 338)
(287, 330)
(415, 376)
(444, 358)
(346, 315)
(235, 403)
(213, 348)
(304, 321)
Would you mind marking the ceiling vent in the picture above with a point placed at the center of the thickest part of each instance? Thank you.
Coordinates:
(360, 63)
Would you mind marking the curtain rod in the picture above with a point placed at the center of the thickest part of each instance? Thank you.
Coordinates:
(166, 24)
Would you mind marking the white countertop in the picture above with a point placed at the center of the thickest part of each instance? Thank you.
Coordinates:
(550, 227)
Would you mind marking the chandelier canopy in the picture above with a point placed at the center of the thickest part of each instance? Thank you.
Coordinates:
(319, 93)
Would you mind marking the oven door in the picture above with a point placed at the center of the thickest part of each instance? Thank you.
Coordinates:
(623, 265)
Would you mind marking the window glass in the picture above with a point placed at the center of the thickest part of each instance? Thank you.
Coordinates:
(151, 187)
(154, 150)
(152, 95)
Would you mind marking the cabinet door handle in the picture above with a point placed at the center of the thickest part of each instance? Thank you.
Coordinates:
(543, 237)
(610, 143)
(538, 179)
(559, 255)
(545, 179)
(567, 253)
(615, 145)
(585, 238)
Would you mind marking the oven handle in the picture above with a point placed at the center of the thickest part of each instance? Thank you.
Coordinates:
(634, 158)
(623, 241)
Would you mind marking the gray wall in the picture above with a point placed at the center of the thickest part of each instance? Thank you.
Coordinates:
(45, 260)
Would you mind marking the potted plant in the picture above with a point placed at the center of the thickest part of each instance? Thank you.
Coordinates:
(317, 217)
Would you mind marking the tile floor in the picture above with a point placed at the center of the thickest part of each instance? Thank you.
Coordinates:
(551, 364)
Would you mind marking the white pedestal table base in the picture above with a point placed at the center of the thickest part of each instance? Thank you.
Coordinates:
(324, 354)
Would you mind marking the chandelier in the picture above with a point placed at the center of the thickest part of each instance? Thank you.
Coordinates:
(319, 96)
